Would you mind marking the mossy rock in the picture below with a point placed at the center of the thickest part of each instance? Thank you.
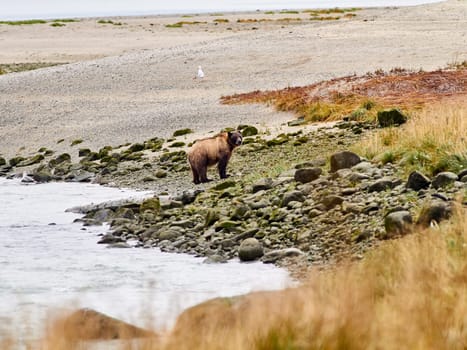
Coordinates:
(16, 160)
(279, 140)
(76, 142)
(227, 224)
(104, 151)
(83, 152)
(2, 161)
(127, 156)
(64, 157)
(249, 130)
(31, 161)
(224, 185)
(161, 174)
(211, 217)
(154, 144)
(150, 204)
(177, 144)
(136, 147)
(175, 156)
(182, 132)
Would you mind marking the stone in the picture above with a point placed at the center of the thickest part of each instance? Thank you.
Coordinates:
(109, 238)
(444, 179)
(381, 185)
(87, 324)
(460, 176)
(296, 196)
(391, 117)
(331, 201)
(170, 234)
(151, 204)
(417, 181)
(262, 184)
(343, 160)
(31, 161)
(250, 249)
(434, 211)
(305, 175)
(398, 223)
(249, 130)
(161, 174)
(189, 196)
(278, 254)
(224, 185)
(2, 161)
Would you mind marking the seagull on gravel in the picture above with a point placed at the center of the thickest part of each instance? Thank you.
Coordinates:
(200, 74)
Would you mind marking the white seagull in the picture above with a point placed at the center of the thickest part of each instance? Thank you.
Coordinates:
(200, 73)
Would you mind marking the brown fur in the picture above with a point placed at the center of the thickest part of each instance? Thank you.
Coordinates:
(210, 151)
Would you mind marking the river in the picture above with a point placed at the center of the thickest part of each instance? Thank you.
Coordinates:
(27, 9)
(48, 263)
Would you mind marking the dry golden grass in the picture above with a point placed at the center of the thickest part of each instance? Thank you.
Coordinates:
(350, 96)
(408, 294)
(433, 140)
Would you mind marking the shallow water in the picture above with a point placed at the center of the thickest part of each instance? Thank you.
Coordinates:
(47, 262)
(27, 9)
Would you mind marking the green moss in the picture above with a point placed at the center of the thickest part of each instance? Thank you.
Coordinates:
(25, 22)
(181, 132)
(76, 142)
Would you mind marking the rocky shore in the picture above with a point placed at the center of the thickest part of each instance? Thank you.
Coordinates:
(297, 199)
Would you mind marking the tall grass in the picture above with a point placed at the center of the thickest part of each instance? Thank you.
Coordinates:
(408, 294)
(433, 140)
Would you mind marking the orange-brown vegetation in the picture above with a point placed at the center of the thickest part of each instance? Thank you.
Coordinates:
(362, 95)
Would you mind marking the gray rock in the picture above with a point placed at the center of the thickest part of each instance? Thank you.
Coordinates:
(262, 184)
(170, 234)
(331, 201)
(417, 181)
(278, 254)
(381, 185)
(444, 179)
(391, 117)
(462, 176)
(364, 167)
(343, 160)
(250, 249)
(109, 238)
(294, 196)
(398, 223)
(189, 196)
(435, 211)
(305, 175)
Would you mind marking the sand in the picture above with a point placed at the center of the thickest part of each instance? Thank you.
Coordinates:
(134, 81)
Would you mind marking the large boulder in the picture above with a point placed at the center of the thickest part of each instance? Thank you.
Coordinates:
(250, 249)
(87, 324)
(305, 175)
(398, 223)
(417, 181)
(293, 196)
(444, 179)
(343, 160)
(391, 117)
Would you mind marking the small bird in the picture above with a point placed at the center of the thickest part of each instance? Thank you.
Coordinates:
(200, 73)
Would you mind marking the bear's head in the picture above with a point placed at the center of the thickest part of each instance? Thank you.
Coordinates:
(235, 138)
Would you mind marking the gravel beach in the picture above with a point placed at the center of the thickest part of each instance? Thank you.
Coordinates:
(136, 80)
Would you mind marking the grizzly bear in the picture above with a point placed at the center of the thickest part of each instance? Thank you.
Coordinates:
(209, 151)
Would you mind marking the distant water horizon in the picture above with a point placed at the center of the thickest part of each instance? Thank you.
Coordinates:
(50, 9)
